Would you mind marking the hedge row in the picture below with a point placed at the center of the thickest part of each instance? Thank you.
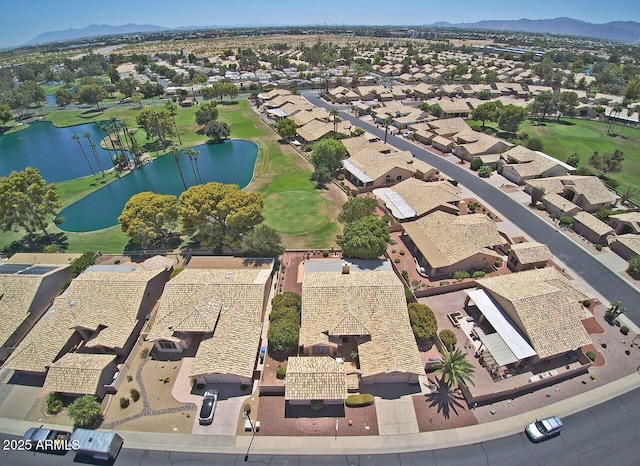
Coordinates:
(358, 401)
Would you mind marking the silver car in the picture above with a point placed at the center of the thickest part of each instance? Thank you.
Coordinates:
(208, 408)
(544, 429)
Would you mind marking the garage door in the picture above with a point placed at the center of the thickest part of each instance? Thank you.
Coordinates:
(225, 378)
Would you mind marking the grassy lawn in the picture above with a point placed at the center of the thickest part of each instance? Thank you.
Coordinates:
(561, 139)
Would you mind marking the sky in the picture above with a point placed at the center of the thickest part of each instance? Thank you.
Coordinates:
(21, 21)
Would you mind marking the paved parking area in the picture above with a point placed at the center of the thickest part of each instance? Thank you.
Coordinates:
(228, 411)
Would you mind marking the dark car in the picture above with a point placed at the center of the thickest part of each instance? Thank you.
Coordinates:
(544, 429)
(208, 408)
(49, 440)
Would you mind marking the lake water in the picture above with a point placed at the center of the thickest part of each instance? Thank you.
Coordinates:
(228, 162)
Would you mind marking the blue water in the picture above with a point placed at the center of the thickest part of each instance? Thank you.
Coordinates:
(52, 151)
(229, 162)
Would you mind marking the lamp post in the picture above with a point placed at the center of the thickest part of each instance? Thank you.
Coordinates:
(253, 435)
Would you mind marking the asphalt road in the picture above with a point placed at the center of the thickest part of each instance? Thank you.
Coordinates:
(603, 280)
(607, 434)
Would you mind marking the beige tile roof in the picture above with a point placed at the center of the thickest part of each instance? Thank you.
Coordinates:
(449, 126)
(630, 218)
(376, 164)
(631, 241)
(104, 303)
(593, 190)
(592, 223)
(423, 197)
(453, 105)
(315, 378)
(529, 253)
(77, 373)
(520, 154)
(445, 239)
(562, 203)
(18, 292)
(373, 301)
(315, 129)
(227, 302)
(547, 306)
(355, 145)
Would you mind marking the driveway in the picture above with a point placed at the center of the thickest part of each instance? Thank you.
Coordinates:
(394, 408)
(228, 410)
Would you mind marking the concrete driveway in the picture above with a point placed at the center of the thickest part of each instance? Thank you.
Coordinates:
(228, 410)
(394, 408)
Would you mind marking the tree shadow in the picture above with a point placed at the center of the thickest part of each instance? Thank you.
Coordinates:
(33, 242)
(445, 399)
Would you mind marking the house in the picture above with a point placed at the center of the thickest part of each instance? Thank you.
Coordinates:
(27, 288)
(471, 144)
(628, 222)
(591, 228)
(587, 192)
(626, 246)
(216, 314)
(448, 127)
(102, 311)
(454, 107)
(304, 117)
(422, 91)
(559, 206)
(315, 378)
(442, 144)
(524, 164)
(81, 373)
(413, 198)
(367, 313)
(316, 129)
(373, 93)
(366, 141)
(527, 256)
(370, 168)
(444, 243)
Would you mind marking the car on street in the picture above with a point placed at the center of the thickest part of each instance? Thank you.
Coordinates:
(49, 440)
(208, 408)
(544, 429)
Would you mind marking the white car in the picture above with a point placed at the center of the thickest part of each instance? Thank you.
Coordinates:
(544, 429)
(208, 408)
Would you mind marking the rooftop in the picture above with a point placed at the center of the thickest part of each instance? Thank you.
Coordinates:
(315, 378)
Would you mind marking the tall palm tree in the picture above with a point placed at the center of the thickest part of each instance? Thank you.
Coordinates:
(334, 113)
(114, 157)
(386, 122)
(175, 150)
(455, 368)
(172, 111)
(93, 149)
(193, 157)
(77, 138)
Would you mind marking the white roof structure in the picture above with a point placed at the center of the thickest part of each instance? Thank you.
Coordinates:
(397, 204)
(517, 345)
(355, 171)
(277, 112)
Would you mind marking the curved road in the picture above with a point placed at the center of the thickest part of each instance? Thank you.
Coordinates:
(607, 434)
(602, 279)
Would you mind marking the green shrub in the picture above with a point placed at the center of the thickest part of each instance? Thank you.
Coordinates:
(603, 214)
(247, 408)
(461, 275)
(453, 182)
(124, 402)
(444, 282)
(402, 252)
(287, 299)
(448, 339)
(598, 247)
(129, 377)
(175, 272)
(358, 401)
(54, 403)
(624, 330)
(479, 274)
(497, 263)
(80, 264)
(289, 314)
(84, 411)
(634, 267)
(135, 395)
(281, 372)
(317, 405)
(393, 251)
(540, 206)
(586, 303)
(51, 248)
(283, 335)
(591, 355)
(476, 164)
(423, 321)
(396, 260)
(534, 144)
(485, 171)
(566, 220)
(405, 275)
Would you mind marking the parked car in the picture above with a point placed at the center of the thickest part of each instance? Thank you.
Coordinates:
(544, 429)
(50, 440)
(208, 408)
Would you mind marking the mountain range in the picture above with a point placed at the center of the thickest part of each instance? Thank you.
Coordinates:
(621, 31)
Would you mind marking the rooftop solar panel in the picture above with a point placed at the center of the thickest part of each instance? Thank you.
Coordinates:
(8, 269)
(37, 270)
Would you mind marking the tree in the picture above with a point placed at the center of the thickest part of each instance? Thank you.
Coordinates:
(136, 98)
(219, 213)
(5, 114)
(386, 122)
(536, 195)
(207, 112)
(77, 139)
(542, 104)
(26, 200)
(328, 153)
(366, 238)
(565, 103)
(283, 335)
(573, 160)
(157, 124)
(262, 241)
(510, 117)
(616, 309)
(607, 163)
(87, 135)
(80, 264)
(91, 94)
(193, 158)
(321, 175)
(488, 111)
(334, 113)
(84, 411)
(148, 216)
(356, 208)
(455, 368)
(632, 90)
(423, 322)
(175, 151)
(127, 86)
(63, 97)
(534, 144)
(286, 128)
(33, 92)
(634, 267)
(217, 131)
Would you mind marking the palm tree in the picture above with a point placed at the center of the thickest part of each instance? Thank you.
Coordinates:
(193, 157)
(334, 113)
(93, 149)
(455, 368)
(175, 151)
(77, 138)
(172, 111)
(386, 122)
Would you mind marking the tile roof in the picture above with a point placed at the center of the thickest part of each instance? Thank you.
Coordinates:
(105, 303)
(631, 241)
(18, 293)
(449, 126)
(590, 187)
(315, 129)
(376, 164)
(371, 301)
(227, 302)
(355, 145)
(529, 253)
(445, 239)
(547, 307)
(78, 373)
(592, 223)
(630, 218)
(423, 197)
(315, 378)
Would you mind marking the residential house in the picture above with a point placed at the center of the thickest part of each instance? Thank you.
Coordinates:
(591, 228)
(527, 256)
(587, 192)
(558, 206)
(315, 378)
(316, 129)
(472, 144)
(454, 107)
(216, 314)
(448, 127)
(626, 246)
(628, 222)
(413, 198)
(81, 373)
(366, 141)
(423, 91)
(444, 243)
(522, 164)
(373, 93)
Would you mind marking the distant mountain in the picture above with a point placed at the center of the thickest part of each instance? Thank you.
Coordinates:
(621, 31)
(93, 30)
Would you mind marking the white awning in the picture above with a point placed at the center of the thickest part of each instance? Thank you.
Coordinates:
(277, 112)
(398, 206)
(499, 350)
(355, 171)
(508, 332)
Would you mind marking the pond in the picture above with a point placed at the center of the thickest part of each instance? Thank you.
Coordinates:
(53, 151)
(228, 162)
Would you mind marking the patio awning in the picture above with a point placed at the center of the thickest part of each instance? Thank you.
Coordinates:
(355, 171)
(398, 206)
(498, 349)
(509, 334)
(277, 112)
